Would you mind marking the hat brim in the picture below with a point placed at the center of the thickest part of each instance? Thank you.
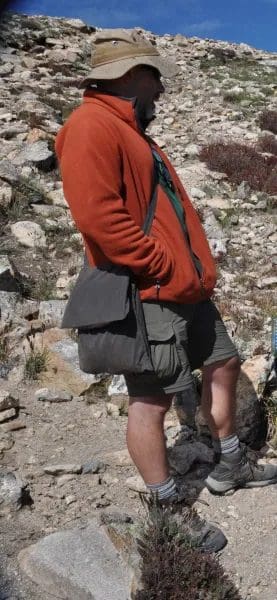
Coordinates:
(116, 69)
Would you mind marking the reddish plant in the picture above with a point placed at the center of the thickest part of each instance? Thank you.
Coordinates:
(267, 143)
(268, 120)
(271, 183)
(241, 163)
(172, 569)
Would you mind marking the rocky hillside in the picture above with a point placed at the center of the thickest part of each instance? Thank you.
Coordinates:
(226, 95)
(219, 95)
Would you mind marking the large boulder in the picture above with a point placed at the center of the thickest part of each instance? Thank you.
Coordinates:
(78, 563)
(63, 372)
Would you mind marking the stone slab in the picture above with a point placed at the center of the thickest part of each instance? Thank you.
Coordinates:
(63, 372)
(78, 563)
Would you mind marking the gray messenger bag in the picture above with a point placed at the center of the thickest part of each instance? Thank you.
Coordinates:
(106, 309)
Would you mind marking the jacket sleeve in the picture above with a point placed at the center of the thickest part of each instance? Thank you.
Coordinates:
(90, 162)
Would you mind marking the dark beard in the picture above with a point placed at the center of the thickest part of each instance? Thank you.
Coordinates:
(142, 118)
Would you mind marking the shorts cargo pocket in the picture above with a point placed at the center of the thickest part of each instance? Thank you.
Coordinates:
(162, 344)
(180, 331)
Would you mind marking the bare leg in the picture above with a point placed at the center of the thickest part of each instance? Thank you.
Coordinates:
(145, 436)
(219, 396)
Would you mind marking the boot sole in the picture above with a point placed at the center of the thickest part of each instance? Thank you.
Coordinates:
(221, 487)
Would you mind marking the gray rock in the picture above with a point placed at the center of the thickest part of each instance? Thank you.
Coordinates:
(6, 441)
(8, 171)
(117, 386)
(197, 193)
(6, 193)
(136, 484)
(38, 154)
(11, 491)
(7, 414)
(9, 277)
(29, 234)
(7, 401)
(270, 62)
(67, 351)
(8, 302)
(6, 69)
(62, 469)
(70, 499)
(80, 25)
(93, 466)
(47, 395)
(57, 198)
(183, 457)
(51, 312)
(192, 150)
(78, 563)
(216, 236)
(267, 282)
(243, 191)
(261, 205)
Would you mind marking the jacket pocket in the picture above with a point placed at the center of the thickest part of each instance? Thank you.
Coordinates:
(162, 343)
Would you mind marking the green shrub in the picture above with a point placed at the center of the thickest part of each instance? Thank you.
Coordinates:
(36, 363)
(43, 289)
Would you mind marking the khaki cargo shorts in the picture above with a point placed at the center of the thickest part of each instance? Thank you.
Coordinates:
(182, 337)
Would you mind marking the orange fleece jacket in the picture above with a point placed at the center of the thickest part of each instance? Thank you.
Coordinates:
(107, 169)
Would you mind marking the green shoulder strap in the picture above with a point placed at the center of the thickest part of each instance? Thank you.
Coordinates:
(167, 184)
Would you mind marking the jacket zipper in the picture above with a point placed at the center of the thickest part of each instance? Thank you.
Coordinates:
(158, 287)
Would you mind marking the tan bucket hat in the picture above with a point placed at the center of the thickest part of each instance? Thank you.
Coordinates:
(116, 51)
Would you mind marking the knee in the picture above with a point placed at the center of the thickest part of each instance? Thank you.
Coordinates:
(232, 365)
(229, 368)
(155, 407)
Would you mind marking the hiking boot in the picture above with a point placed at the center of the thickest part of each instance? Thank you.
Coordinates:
(239, 470)
(205, 536)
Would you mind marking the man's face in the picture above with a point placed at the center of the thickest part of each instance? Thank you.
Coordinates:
(147, 87)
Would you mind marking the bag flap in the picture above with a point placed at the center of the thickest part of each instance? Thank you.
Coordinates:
(100, 296)
(157, 331)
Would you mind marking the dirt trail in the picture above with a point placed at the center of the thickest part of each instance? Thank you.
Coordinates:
(77, 432)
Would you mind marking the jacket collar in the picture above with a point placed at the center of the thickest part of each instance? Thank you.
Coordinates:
(120, 107)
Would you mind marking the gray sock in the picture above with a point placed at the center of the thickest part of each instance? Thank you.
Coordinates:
(227, 445)
(164, 490)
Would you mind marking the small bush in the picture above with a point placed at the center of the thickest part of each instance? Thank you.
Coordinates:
(271, 183)
(268, 120)
(172, 569)
(29, 190)
(242, 163)
(3, 350)
(43, 289)
(236, 98)
(15, 211)
(36, 363)
(267, 143)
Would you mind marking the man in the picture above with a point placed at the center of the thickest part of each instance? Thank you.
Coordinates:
(106, 162)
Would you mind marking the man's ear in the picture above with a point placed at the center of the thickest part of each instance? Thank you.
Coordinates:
(129, 76)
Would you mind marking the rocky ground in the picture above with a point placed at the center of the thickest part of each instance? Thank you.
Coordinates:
(50, 438)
